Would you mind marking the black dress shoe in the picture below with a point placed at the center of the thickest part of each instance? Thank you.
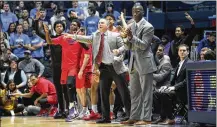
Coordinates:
(103, 120)
(60, 115)
(65, 114)
(124, 118)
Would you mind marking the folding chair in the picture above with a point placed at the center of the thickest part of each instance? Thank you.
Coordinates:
(181, 109)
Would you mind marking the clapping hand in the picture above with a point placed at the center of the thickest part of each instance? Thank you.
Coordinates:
(123, 32)
(115, 52)
(129, 34)
(122, 15)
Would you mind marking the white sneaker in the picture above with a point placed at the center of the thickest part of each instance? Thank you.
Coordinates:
(83, 114)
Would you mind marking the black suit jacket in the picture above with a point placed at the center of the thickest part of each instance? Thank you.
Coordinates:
(180, 82)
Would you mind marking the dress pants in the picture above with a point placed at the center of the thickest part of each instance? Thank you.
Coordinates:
(165, 102)
(107, 75)
(141, 92)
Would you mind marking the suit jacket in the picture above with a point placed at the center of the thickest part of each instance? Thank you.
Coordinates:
(140, 46)
(180, 82)
(162, 75)
(115, 42)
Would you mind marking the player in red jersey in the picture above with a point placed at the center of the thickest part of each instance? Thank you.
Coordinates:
(71, 51)
(83, 79)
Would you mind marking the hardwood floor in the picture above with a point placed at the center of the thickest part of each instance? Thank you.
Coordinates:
(50, 122)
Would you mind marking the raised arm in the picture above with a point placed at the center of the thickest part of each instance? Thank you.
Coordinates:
(80, 38)
(47, 34)
(189, 38)
(123, 20)
(39, 30)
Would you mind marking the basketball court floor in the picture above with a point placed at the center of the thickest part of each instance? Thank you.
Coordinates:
(50, 122)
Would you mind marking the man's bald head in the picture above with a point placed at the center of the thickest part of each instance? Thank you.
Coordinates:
(139, 6)
(137, 12)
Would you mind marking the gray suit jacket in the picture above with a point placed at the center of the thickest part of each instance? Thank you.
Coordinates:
(162, 75)
(140, 46)
(115, 42)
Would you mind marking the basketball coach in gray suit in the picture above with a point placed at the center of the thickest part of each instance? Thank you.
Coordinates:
(112, 68)
(141, 67)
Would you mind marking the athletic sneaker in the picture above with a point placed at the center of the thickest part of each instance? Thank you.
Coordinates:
(73, 113)
(92, 116)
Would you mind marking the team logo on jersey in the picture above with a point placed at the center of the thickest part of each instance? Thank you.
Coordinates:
(71, 41)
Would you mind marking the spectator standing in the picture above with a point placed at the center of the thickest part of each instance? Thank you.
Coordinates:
(19, 42)
(180, 38)
(25, 16)
(7, 17)
(58, 16)
(19, 9)
(38, 6)
(110, 10)
(37, 46)
(11, 30)
(91, 22)
(78, 12)
(26, 28)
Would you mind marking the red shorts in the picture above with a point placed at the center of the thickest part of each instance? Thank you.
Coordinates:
(52, 99)
(85, 82)
(65, 73)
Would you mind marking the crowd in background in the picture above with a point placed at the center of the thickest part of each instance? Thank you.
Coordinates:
(25, 57)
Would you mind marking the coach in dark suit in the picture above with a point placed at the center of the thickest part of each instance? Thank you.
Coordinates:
(177, 88)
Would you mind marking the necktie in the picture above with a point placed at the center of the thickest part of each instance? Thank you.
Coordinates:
(136, 28)
(178, 69)
(99, 55)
